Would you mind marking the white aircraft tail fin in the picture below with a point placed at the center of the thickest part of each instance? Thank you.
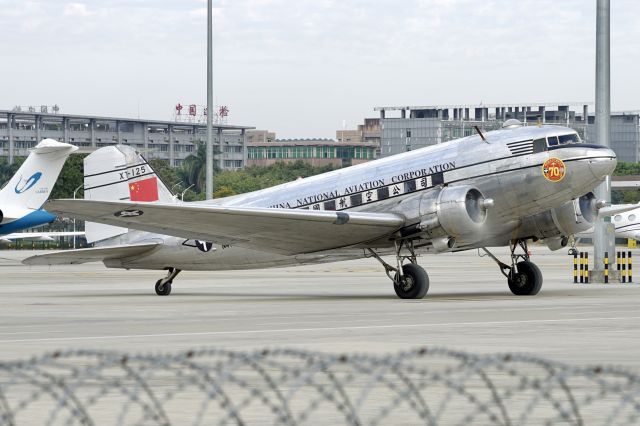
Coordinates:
(118, 173)
(30, 187)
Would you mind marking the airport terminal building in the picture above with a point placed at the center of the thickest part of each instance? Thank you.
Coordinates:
(406, 128)
(173, 141)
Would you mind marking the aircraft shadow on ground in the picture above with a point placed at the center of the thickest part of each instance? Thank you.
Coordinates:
(306, 296)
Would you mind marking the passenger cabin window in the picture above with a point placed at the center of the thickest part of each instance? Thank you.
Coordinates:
(617, 218)
(632, 217)
(572, 138)
(539, 145)
(553, 140)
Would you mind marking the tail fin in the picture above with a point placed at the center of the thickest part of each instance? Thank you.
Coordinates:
(117, 173)
(31, 185)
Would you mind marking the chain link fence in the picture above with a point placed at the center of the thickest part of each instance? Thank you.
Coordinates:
(293, 387)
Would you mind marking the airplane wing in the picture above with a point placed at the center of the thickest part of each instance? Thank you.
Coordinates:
(285, 231)
(95, 254)
(38, 236)
(615, 209)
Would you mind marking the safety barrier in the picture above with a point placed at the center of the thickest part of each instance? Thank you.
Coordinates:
(291, 387)
(624, 267)
(584, 267)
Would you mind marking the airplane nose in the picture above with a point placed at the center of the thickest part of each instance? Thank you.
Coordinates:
(602, 162)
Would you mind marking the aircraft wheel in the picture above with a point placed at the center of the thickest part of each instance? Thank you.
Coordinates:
(163, 289)
(414, 284)
(527, 280)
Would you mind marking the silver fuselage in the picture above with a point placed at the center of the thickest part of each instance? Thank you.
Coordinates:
(502, 168)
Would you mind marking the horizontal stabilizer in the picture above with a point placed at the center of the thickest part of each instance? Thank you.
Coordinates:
(40, 236)
(95, 254)
(284, 231)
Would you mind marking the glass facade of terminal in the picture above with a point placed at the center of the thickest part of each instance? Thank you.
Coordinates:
(317, 151)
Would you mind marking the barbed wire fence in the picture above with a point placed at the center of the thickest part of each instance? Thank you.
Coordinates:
(293, 387)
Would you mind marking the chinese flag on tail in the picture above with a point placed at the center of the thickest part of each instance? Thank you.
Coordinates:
(144, 190)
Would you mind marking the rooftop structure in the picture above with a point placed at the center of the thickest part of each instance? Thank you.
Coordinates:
(405, 128)
(169, 140)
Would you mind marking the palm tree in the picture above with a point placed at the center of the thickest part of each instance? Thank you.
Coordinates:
(193, 168)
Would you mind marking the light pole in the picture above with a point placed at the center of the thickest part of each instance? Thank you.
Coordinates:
(176, 184)
(209, 156)
(74, 219)
(175, 195)
(603, 236)
(182, 195)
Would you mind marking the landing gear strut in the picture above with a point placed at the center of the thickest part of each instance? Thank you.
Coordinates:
(163, 285)
(573, 250)
(523, 276)
(410, 280)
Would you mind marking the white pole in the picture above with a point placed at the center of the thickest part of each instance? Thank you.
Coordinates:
(209, 162)
(74, 219)
(603, 240)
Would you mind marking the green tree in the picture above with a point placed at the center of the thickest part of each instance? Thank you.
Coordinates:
(168, 174)
(193, 168)
(223, 191)
(71, 177)
(254, 178)
(625, 169)
(8, 170)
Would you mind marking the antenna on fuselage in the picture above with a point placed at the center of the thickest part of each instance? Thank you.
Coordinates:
(480, 133)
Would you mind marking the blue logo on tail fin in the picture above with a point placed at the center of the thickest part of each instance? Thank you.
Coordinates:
(28, 184)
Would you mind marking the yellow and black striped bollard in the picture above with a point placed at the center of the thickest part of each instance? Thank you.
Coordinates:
(586, 267)
(624, 267)
(581, 267)
(629, 268)
(606, 267)
(575, 267)
(618, 262)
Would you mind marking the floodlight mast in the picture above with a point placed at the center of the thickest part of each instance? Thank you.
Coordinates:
(603, 237)
(209, 159)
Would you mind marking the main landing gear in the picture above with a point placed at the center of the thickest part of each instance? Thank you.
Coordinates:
(163, 285)
(523, 276)
(410, 280)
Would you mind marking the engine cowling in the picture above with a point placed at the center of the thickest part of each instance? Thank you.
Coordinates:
(456, 212)
(556, 225)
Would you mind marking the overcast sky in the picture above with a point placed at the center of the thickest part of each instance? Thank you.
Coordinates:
(301, 67)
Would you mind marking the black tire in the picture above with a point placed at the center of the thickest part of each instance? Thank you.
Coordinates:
(415, 282)
(163, 290)
(527, 280)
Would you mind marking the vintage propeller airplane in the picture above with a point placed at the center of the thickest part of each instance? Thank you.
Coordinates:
(502, 188)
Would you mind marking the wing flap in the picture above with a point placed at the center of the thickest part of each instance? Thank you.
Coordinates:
(95, 254)
(285, 231)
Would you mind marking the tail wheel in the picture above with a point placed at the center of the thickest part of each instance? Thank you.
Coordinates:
(414, 283)
(163, 289)
(527, 281)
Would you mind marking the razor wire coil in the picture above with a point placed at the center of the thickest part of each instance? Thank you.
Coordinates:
(295, 387)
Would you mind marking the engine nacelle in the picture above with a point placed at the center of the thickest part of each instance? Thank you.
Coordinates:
(556, 243)
(454, 212)
(556, 225)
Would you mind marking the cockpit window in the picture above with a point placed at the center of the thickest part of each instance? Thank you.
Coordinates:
(539, 145)
(552, 140)
(572, 138)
